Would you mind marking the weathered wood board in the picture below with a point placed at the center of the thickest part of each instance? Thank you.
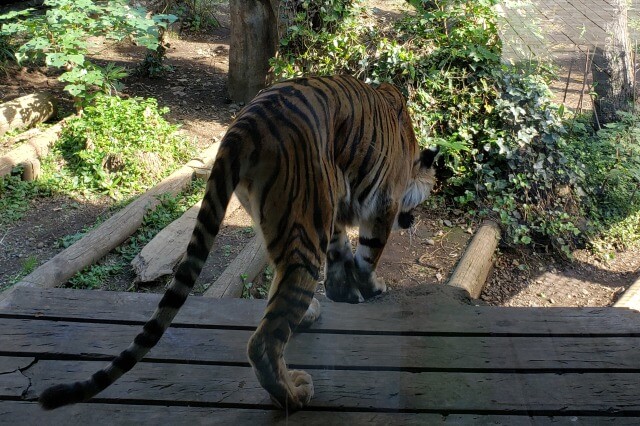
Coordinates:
(371, 363)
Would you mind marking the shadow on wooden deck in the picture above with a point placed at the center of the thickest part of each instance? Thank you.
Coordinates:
(372, 363)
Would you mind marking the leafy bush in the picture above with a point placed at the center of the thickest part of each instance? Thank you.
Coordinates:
(120, 146)
(609, 161)
(506, 147)
(61, 37)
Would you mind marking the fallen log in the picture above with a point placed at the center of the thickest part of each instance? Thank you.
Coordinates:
(164, 251)
(630, 298)
(474, 266)
(26, 111)
(249, 263)
(36, 147)
(114, 231)
(23, 136)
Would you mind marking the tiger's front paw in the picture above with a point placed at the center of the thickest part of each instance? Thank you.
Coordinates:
(340, 282)
(346, 282)
(372, 285)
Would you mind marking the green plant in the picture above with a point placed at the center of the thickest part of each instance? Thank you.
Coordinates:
(15, 196)
(120, 146)
(60, 37)
(503, 141)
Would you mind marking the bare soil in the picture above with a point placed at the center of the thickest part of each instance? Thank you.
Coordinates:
(414, 265)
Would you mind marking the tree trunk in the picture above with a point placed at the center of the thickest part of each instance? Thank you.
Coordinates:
(612, 67)
(254, 40)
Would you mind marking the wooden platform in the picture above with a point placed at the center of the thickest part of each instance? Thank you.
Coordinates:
(371, 363)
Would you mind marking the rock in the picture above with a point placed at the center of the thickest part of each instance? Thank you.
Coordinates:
(447, 223)
(40, 245)
(429, 242)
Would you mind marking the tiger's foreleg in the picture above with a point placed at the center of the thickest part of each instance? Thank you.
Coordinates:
(372, 239)
(341, 280)
(290, 301)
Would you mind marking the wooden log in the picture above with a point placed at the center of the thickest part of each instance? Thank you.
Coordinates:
(26, 111)
(21, 137)
(113, 231)
(36, 147)
(159, 257)
(473, 268)
(630, 298)
(31, 170)
(248, 264)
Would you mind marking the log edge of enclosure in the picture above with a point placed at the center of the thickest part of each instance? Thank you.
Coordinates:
(630, 298)
(249, 262)
(115, 230)
(33, 149)
(474, 266)
(160, 255)
(26, 111)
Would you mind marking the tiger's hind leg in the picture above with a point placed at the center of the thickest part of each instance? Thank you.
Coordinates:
(312, 314)
(290, 302)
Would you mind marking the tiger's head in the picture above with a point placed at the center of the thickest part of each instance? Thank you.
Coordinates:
(419, 188)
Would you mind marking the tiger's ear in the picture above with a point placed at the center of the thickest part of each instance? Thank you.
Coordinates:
(427, 157)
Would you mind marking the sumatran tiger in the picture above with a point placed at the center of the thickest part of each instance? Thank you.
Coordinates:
(307, 158)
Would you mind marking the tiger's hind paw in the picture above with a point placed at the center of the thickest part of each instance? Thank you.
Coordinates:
(300, 391)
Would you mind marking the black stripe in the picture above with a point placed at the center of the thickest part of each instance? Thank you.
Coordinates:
(281, 335)
(292, 302)
(371, 242)
(198, 247)
(274, 315)
(151, 335)
(101, 379)
(220, 183)
(125, 361)
(293, 289)
(172, 299)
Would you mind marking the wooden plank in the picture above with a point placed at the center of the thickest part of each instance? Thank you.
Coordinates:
(249, 262)
(367, 317)
(498, 393)
(15, 412)
(12, 382)
(412, 353)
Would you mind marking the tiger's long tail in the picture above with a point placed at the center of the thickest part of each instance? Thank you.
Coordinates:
(222, 182)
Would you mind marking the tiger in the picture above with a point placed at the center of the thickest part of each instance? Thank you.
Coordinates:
(307, 158)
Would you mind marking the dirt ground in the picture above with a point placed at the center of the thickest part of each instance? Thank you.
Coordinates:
(413, 265)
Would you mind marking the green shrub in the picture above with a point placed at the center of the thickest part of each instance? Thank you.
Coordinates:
(506, 147)
(120, 146)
